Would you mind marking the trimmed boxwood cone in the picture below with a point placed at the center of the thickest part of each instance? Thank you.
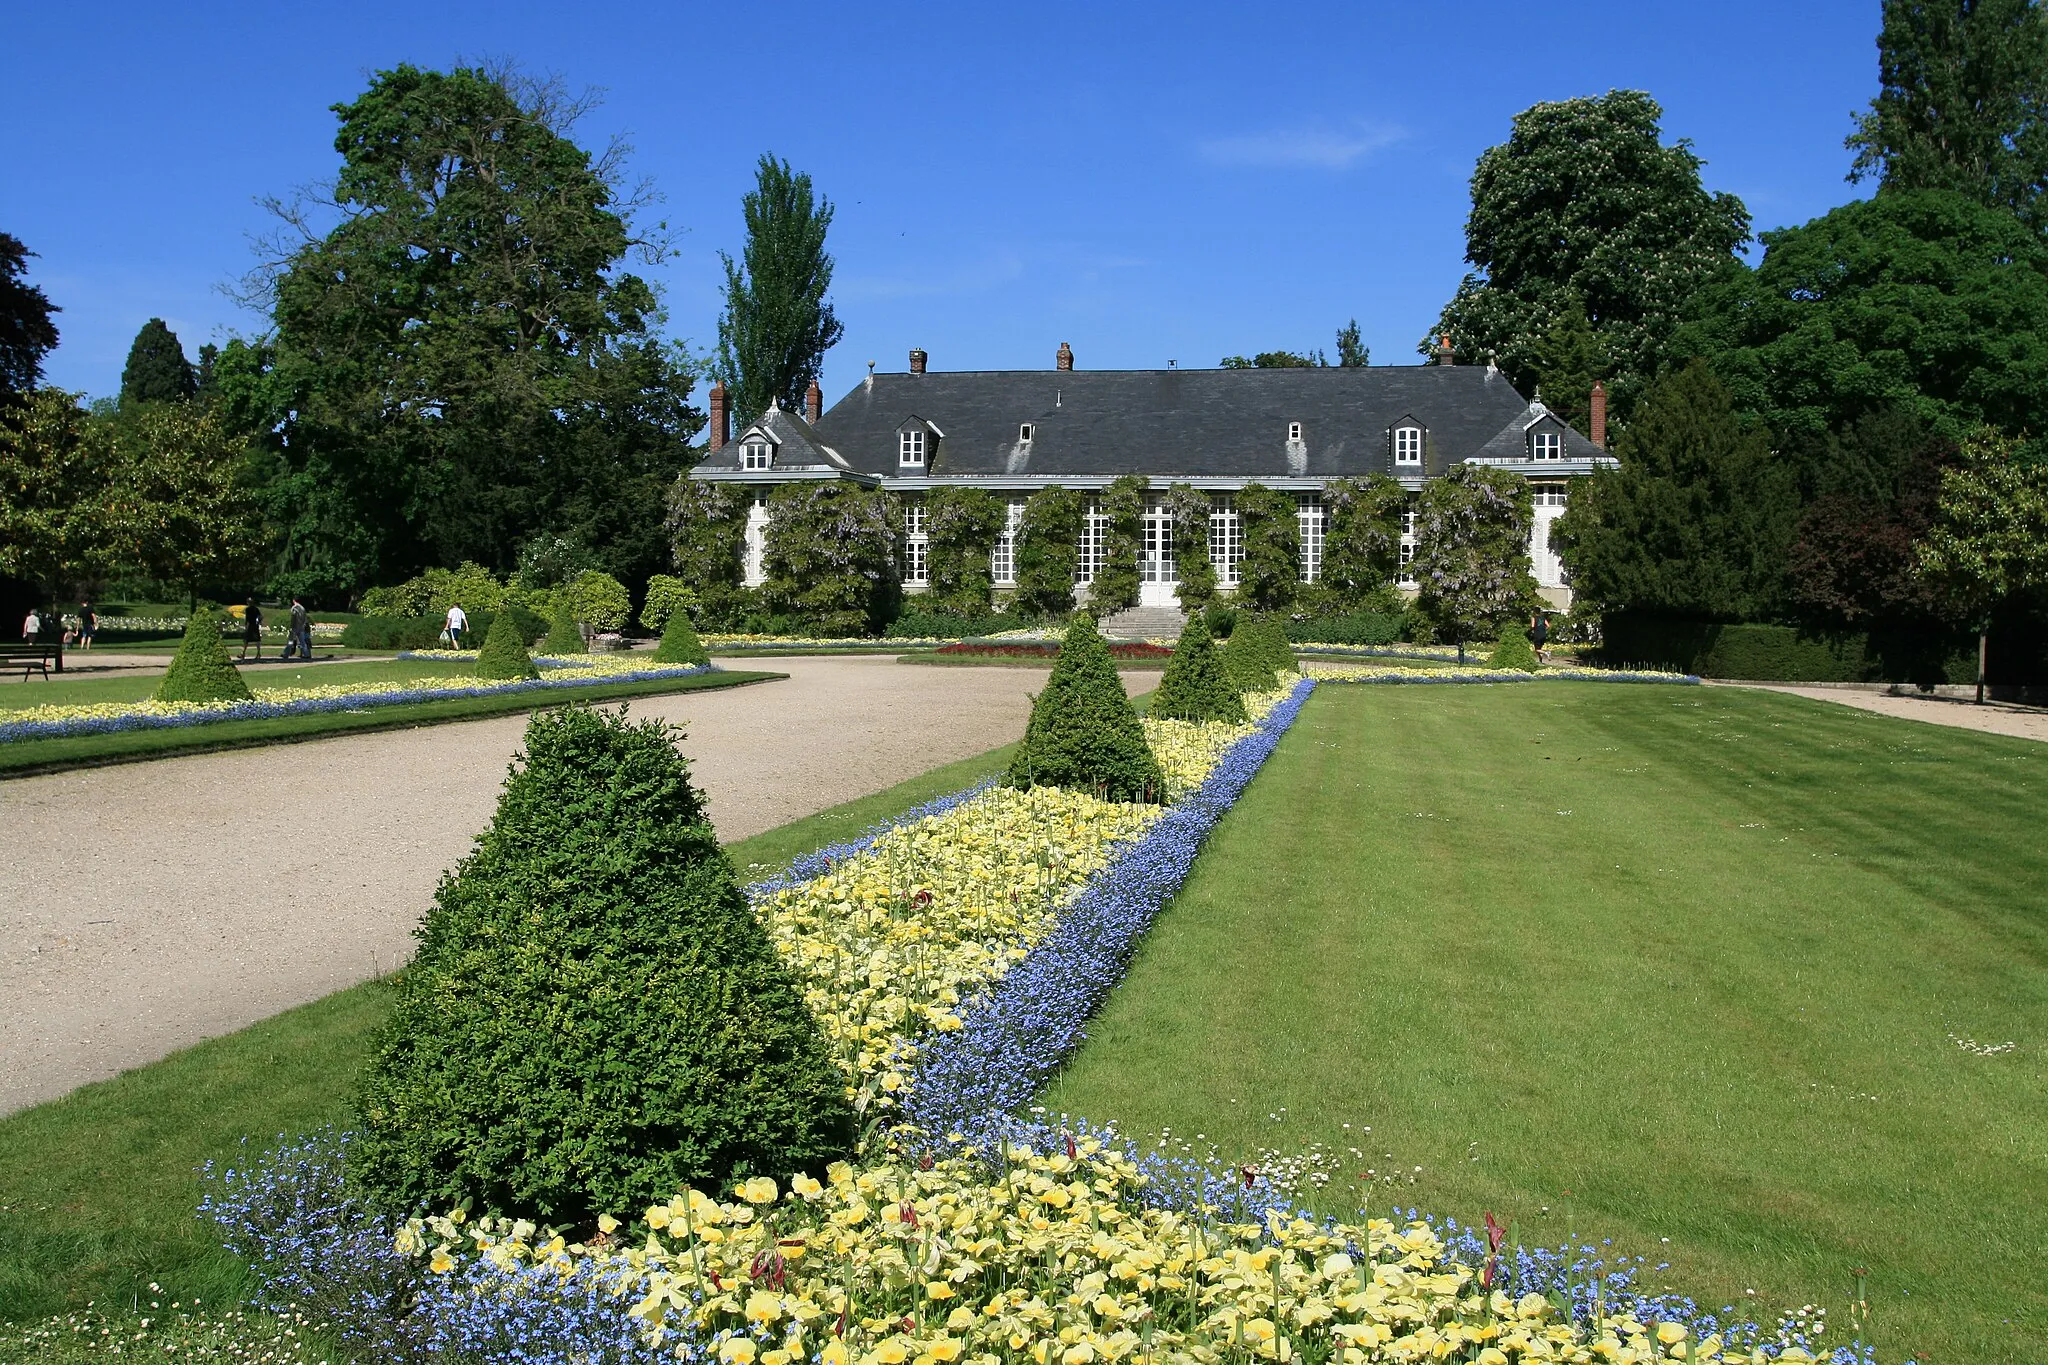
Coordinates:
(1247, 661)
(1084, 732)
(596, 1017)
(1514, 651)
(563, 637)
(202, 670)
(679, 643)
(504, 653)
(1194, 686)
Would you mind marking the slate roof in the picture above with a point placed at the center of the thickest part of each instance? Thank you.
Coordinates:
(1230, 424)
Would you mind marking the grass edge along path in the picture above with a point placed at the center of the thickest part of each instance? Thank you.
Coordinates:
(32, 757)
(1702, 958)
(98, 1189)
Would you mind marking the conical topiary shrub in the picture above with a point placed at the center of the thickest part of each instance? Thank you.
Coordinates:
(1195, 686)
(596, 1017)
(563, 637)
(1247, 657)
(1514, 651)
(201, 670)
(1084, 733)
(1279, 649)
(504, 653)
(679, 643)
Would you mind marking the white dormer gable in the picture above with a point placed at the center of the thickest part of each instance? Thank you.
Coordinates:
(757, 448)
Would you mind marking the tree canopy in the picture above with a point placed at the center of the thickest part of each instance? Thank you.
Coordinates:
(459, 363)
(1273, 360)
(777, 326)
(1696, 520)
(1962, 103)
(1585, 201)
(157, 370)
(27, 333)
(1924, 300)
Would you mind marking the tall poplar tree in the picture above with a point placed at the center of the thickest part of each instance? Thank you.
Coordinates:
(157, 370)
(1962, 103)
(777, 326)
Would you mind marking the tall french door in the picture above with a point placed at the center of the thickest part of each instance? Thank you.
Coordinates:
(1157, 579)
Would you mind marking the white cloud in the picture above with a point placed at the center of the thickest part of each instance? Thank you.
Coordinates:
(1318, 147)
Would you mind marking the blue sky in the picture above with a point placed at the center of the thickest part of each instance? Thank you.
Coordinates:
(1149, 183)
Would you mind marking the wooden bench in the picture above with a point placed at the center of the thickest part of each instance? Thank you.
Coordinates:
(28, 656)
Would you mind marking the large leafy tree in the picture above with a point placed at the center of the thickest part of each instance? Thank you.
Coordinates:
(26, 332)
(1696, 521)
(1962, 103)
(1585, 202)
(460, 362)
(1924, 300)
(1870, 494)
(1988, 543)
(177, 505)
(777, 326)
(52, 490)
(1472, 552)
(157, 370)
(1568, 361)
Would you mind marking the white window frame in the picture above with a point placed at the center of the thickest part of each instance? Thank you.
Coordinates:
(916, 544)
(1094, 531)
(1155, 543)
(1024, 431)
(756, 455)
(1002, 560)
(1404, 576)
(1309, 525)
(1226, 539)
(1294, 431)
(1546, 443)
(1408, 445)
(1547, 494)
(910, 450)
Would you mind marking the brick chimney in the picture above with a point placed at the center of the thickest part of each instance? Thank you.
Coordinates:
(1443, 351)
(1598, 423)
(814, 403)
(720, 429)
(917, 359)
(1065, 359)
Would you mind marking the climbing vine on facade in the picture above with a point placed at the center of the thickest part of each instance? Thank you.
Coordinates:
(1361, 541)
(1116, 578)
(1269, 576)
(1049, 552)
(707, 529)
(963, 525)
(831, 557)
(1190, 507)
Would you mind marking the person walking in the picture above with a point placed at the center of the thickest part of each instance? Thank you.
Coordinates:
(299, 633)
(457, 623)
(252, 627)
(88, 625)
(1539, 634)
(32, 625)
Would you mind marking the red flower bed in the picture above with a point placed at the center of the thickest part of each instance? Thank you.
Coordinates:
(1034, 650)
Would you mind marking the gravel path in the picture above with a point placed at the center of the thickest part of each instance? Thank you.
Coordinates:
(1993, 717)
(147, 928)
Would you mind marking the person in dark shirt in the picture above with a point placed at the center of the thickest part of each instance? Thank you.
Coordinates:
(299, 634)
(88, 625)
(252, 627)
(1539, 634)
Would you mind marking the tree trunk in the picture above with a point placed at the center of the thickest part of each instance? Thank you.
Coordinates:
(1983, 653)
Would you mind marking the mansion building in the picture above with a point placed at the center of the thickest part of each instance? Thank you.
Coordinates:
(1293, 430)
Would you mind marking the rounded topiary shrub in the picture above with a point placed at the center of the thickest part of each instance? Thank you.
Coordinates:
(1514, 651)
(1084, 733)
(504, 653)
(679, 643)
(201, 669)
(596, 1017)
(563, 637)
(1194, 686)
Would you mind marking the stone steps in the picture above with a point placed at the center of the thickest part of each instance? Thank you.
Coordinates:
(1143, 623)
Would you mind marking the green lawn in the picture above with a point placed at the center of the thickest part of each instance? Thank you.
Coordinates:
(72, 690)
(97, 1190)
(25, 757)
(1693, 955)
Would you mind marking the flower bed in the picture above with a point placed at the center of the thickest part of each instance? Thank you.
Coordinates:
(99, 718)
(1049, 650)
(723, 643)
(1387, 673)
(953, 959)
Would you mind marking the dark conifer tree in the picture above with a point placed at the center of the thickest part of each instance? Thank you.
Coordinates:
(26, 332)
(157, 371)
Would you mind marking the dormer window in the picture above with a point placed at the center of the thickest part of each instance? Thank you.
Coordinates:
(1546, 444)
(1408, 445)
(755, 455)
(1024, 432)
(910, 449)
(1294, 431)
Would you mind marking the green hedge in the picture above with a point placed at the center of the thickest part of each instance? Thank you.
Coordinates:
(1760, 653)
(916, 624)
(424, 632)
(1364, 628)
